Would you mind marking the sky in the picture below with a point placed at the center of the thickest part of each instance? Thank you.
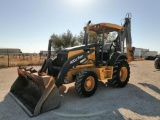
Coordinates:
(28, 24)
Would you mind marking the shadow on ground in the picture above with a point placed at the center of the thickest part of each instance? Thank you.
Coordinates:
(104, 104)
(152, 87)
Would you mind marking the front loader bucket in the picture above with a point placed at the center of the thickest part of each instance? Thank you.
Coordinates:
(36, 94)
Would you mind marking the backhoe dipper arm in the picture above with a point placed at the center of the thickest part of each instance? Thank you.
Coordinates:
(126, 33)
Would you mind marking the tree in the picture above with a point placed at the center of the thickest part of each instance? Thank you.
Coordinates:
(63, 41)
(56, 42)
(80, 37)
(66, 39)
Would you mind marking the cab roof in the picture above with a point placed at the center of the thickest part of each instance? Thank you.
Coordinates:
(108, 27)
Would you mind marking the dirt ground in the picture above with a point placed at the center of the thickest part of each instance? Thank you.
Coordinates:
(139, 100)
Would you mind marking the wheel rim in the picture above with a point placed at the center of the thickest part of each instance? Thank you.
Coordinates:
(123, 74)
(89, 83)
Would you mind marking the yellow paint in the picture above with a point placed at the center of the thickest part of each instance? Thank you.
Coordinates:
(130, 53)
(91, 56)
(89, 83)
(123, 74)
(73, 53)
(103, 72)
(109, 27)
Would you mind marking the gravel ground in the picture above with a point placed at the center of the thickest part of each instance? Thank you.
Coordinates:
(140, 99)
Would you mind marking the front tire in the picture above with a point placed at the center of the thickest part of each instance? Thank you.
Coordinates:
(86, 83)
(121, 74)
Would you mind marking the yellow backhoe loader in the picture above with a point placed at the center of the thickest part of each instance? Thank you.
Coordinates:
(37, 92)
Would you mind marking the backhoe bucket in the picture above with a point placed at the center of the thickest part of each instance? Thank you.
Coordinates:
(36, 94)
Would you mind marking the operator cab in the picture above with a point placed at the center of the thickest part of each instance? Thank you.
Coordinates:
(104, 50)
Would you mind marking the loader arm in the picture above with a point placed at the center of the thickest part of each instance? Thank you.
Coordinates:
(70, 63)
(45, 65)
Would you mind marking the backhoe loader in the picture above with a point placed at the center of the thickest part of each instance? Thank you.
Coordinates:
(37, 92)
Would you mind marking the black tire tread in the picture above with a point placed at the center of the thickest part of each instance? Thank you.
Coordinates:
(79, 84)
(157, 63)
(115, 81)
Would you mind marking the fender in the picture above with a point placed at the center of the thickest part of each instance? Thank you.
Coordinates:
(70, 63)
(115, 56)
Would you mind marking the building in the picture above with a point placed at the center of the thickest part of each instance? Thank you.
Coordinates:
(139, 52)
(44, 53)
(144, 53)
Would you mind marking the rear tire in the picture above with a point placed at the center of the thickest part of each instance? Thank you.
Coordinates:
(121, 74)
(157, 63)
(86, 83)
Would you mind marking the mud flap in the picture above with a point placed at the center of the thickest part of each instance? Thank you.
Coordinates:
(35, 94)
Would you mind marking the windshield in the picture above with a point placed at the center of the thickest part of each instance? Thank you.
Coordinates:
(107, 47)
